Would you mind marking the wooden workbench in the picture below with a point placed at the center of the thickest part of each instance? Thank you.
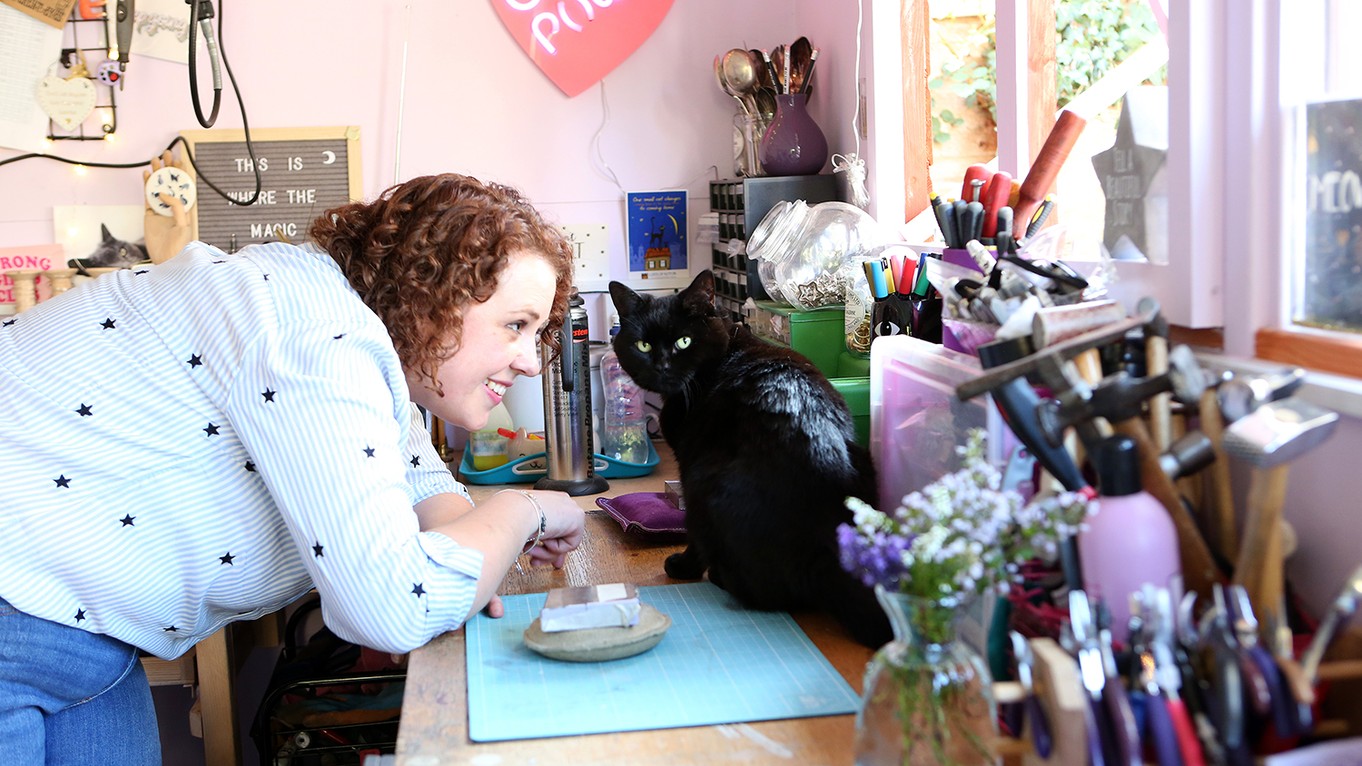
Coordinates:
(434, 728)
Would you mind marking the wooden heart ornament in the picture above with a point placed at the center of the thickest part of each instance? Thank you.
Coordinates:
(67, 102)
(578, 42)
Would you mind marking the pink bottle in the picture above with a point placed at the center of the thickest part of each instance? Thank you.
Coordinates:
(1131, 540)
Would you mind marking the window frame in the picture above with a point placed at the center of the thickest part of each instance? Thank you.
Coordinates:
(1279, 339)
(1188, 288)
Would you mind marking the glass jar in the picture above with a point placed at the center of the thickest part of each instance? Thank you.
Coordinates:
(807, 255)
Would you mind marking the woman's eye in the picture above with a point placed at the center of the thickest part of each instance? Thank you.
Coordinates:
(516, 326)
(683, 342)
(643, 345)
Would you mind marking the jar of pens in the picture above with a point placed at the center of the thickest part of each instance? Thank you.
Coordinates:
(884, 304)
(999, 261)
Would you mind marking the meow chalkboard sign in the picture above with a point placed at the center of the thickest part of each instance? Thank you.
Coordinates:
(303, 173)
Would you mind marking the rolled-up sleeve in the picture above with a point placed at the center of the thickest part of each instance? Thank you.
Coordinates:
(324, 413)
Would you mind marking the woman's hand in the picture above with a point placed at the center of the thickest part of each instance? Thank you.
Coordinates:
(165, 236)
(500, 526)
(564, 522)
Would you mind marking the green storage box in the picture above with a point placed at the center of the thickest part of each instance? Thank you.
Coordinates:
(851, 365)
(818, 334)
(856, 392)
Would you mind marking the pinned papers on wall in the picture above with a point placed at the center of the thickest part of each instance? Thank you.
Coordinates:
(27, 48)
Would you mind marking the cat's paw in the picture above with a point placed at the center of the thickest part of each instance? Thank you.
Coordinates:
(682, 566)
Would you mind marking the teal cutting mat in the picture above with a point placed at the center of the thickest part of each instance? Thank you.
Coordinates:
(719, 663)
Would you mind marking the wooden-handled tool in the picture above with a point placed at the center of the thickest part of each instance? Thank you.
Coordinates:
(1233, 397)
(1270, 438)
(1217, 495)
(1156, 363)
(1041, 177)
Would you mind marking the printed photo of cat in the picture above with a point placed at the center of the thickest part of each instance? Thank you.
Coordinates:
(767, 454)
(111, 252)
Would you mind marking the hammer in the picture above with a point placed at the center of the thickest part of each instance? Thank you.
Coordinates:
(1120, 399)
(1156, 363)
(1269, 438)
(1019, 405)
(1231, 399)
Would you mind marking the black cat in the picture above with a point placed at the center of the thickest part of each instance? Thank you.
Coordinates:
(767, 454)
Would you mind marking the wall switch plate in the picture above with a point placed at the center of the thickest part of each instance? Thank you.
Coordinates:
(590, 267)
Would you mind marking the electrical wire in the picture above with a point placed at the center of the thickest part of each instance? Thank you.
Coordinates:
(245, 126)
(206, 20)
(598, 157)
(852, 164)
(603, 167)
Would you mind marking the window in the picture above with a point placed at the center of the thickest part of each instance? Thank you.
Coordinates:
(1175, 219)
(1318, 316)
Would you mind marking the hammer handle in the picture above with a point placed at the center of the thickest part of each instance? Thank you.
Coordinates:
(1217, 495)
(1259, 566)
(1199, 571)
(1160, 405)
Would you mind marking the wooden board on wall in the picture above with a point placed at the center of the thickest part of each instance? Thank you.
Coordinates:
(303, 173)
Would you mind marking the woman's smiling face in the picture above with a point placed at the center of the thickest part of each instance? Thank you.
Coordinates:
(498, 343)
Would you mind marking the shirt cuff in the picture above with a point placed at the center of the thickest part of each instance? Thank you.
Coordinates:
(461, 559)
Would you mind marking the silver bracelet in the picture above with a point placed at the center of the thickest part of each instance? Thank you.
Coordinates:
(543, 520)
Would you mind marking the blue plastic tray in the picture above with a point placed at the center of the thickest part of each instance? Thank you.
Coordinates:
(532, 467)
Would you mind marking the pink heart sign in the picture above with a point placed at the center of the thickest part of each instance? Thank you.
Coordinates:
(578, 42)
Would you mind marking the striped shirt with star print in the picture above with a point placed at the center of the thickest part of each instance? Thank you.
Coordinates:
(205, 440)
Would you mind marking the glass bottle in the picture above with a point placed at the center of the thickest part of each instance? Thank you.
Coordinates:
(624, 433)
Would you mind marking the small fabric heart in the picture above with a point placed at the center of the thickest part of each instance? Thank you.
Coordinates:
(67, 102)
(576, 43)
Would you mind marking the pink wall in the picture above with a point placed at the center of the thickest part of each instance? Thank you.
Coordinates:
(472, 102)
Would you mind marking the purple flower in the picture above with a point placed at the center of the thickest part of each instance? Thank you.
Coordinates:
(873, 559)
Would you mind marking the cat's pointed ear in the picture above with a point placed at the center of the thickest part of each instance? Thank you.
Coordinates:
(104, 231)
(626, 300)
(701, 290)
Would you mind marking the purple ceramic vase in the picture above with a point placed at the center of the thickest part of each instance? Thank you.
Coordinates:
(793, 145)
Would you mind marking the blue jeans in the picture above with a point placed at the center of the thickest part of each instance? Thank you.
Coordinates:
(72, 697)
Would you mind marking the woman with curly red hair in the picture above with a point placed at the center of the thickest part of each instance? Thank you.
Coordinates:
(209, 438)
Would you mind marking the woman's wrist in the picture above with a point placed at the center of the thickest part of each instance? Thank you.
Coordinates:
(532, 539)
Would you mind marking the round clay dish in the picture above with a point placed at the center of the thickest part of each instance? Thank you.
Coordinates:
(600, 644)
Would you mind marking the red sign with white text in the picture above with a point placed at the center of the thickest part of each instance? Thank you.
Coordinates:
(578, 42)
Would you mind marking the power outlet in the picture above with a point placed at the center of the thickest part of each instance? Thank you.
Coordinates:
(590, 268)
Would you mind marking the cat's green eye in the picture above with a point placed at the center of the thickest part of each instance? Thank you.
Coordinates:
(683, 342)
(643, 345)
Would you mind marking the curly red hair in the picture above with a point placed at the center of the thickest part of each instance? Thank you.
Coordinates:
(427, 248)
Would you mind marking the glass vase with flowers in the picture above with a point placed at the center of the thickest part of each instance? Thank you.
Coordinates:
(927, 697)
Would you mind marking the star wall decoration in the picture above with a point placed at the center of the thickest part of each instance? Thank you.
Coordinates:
(1128, 171)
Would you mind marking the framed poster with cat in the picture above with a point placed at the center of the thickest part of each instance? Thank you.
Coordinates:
(99, 236)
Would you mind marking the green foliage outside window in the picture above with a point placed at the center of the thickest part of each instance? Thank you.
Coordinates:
(1093, 37)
